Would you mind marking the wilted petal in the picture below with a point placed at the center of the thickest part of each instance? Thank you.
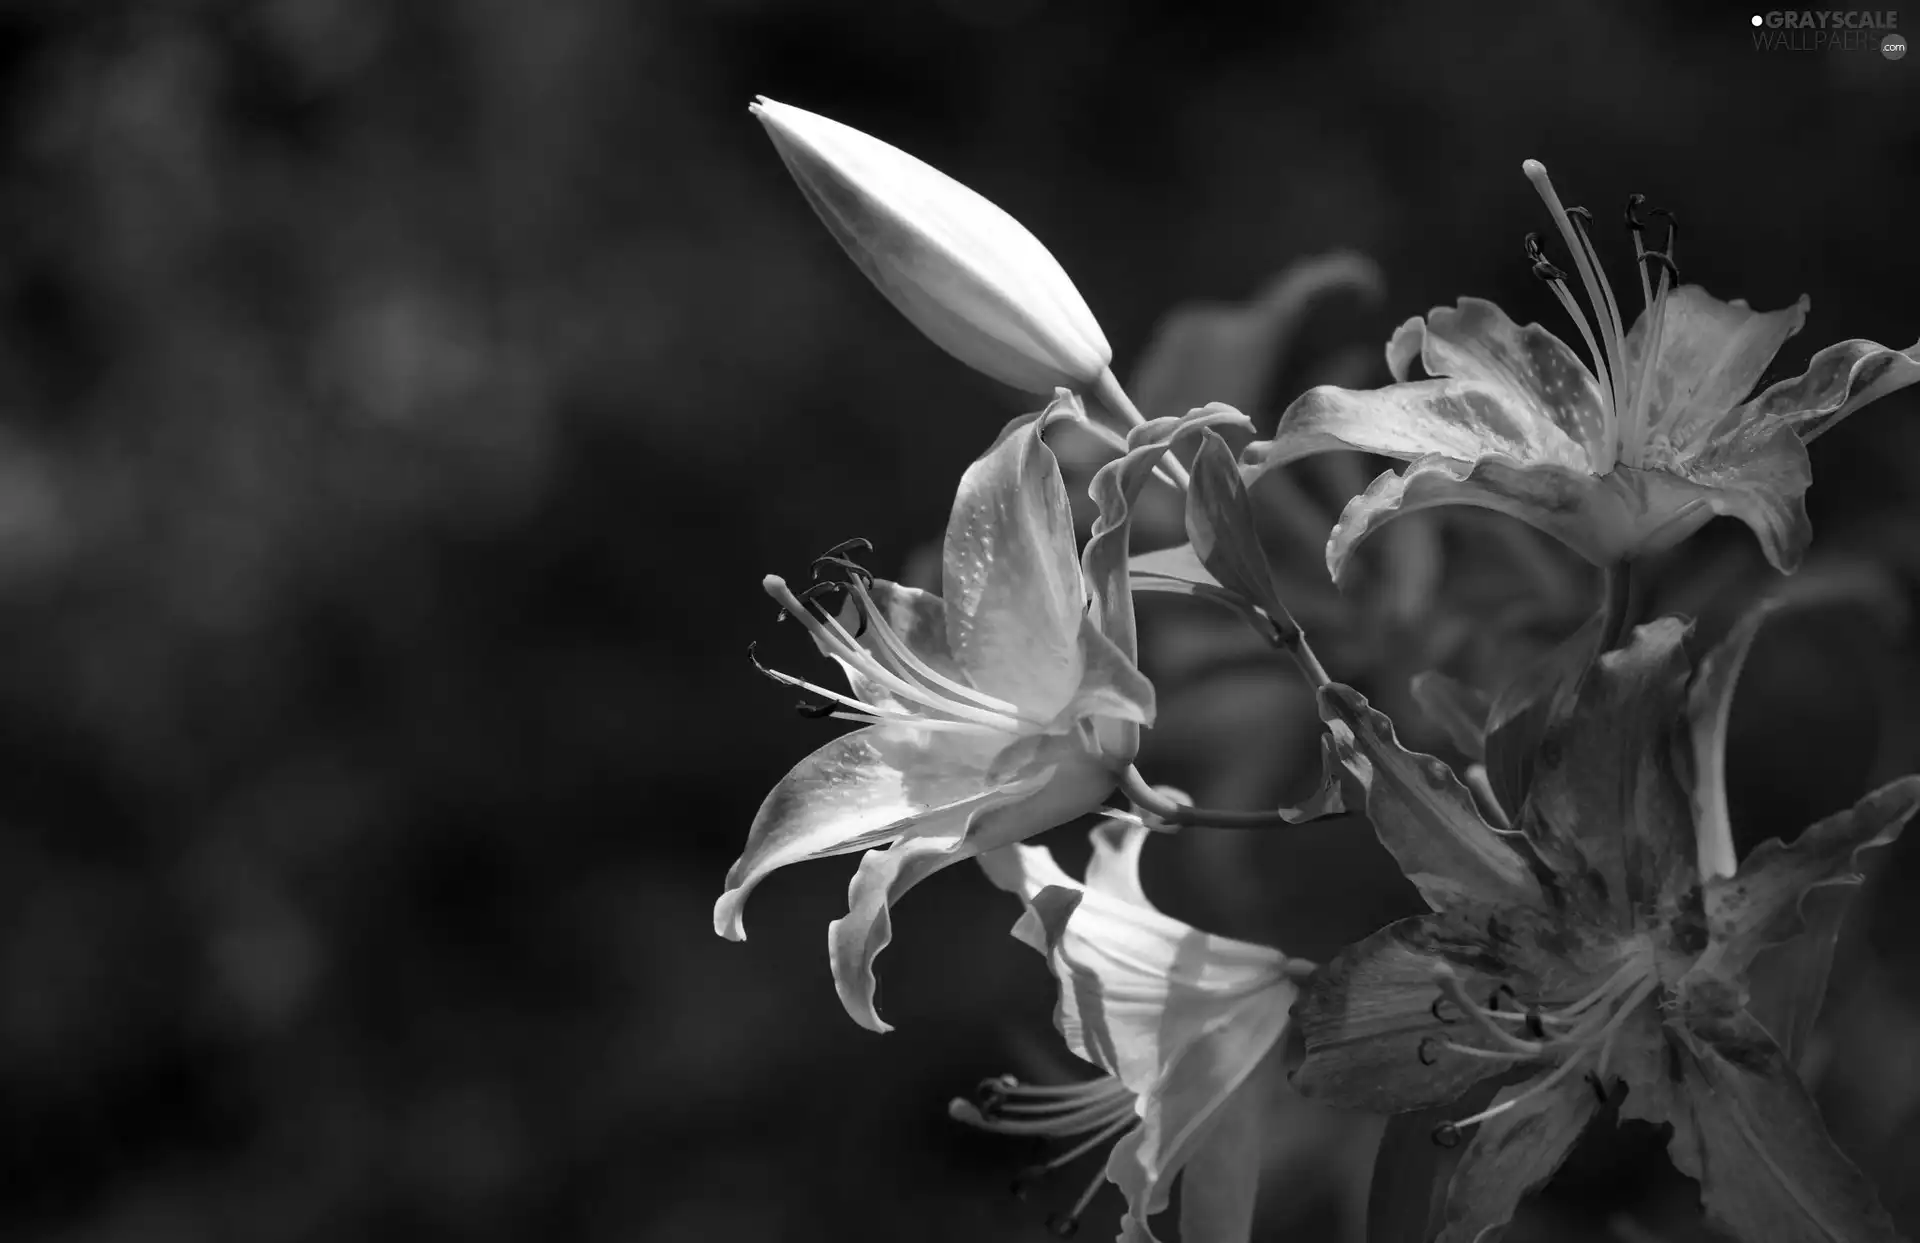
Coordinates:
(1512, 1153)
(1607, 812)
(1746, 1130)
(1840, 380)
(967, 274)
(1054, 789)
(1760, 904)
(1422, 814)
(1463, 420)
(1367, 1014)
(1209, 1082)
(1711, 355)
(1475, 341)
(863, 789)
(1012, 582)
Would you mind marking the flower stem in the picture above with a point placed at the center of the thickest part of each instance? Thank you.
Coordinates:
(1168, 812)
(1616, 601)
(1287, 633)
(1115, 398)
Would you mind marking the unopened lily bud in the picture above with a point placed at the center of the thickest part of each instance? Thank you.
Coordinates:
(966, 273)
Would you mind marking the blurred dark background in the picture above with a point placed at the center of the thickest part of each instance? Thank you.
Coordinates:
(399, 404)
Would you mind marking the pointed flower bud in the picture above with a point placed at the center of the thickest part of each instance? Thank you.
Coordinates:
(966, 273)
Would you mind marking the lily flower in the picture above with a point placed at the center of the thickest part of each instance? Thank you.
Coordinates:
(968, 275)
(1005, 705)
(1620, 459)
(1186, 1025)
(1587, 949)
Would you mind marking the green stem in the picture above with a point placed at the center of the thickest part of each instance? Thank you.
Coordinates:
(1107, 389)
(1165, 810)
(1616, 604)
(1286, 632)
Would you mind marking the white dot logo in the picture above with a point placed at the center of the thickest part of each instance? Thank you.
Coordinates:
(1894, 46)
(1756, 19)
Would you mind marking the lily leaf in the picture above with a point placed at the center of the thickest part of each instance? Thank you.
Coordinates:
(1221, 526)
(1179, 563)
(1422, 813)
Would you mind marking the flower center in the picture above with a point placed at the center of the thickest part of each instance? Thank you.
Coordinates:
(1101, 1109)
(1625, 383)
(1573, 1036)
(891, 684)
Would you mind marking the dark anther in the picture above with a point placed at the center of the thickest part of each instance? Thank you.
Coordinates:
(854, 571)
(1634, 223)
(813, 591)
(1659, 258)
(1446, 1135)
(1426, 1057)
(847, 547)
(1503, 990)
(1063, 1225)
(815, 712)
(1536, 1028)
(1542, 268)
(753, 654)
(1599, 1089)
(1438, 1017)
(1582, 215)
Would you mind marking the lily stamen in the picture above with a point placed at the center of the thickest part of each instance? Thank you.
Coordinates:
(1636, 426)
(846, 708)
(1101, 1109)
(1557, 281)
(1612, 363)
(834, 640)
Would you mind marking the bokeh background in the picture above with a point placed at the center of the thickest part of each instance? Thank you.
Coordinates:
(399, 405)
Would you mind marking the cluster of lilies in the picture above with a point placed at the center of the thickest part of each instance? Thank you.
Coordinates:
(1592, 939)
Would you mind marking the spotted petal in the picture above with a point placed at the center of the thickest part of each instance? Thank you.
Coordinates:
(1475, 341)
(1746, 1130)
(1607, 811)
(1760, 904)
(1840, 380)
(1606, 518)
(1376, 1023)
(1463, 420)
(1711, 355)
